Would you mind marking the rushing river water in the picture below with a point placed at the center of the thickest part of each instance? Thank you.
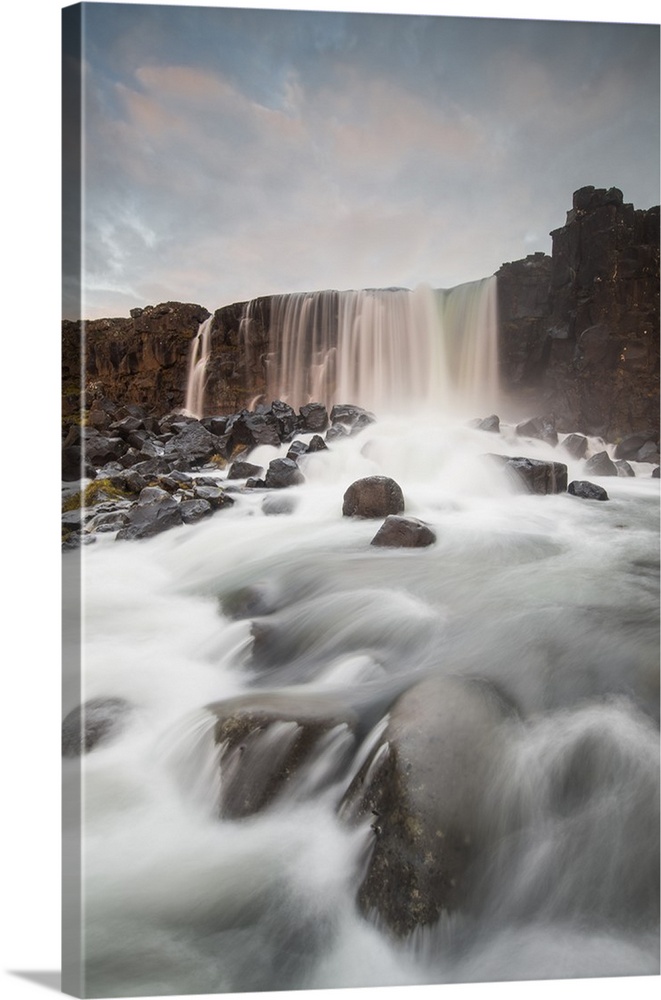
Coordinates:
(553, 599)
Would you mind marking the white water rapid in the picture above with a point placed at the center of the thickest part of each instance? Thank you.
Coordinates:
(552, 599)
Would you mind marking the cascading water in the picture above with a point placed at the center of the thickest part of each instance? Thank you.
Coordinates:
(197, 369)
(551, 602)
(389, 350)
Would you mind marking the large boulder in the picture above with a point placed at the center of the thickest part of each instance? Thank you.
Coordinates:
(267, 740)
(313, 417)
(490, 424)
(94, 722)
(281, 473)
(244, 470)
(534, 475)
(576, 445)
(631, 444)
(374, 496)
(404, 532)
(586, 490)
(539, 427)
(353, 418)
(422, 789)
(192, 445)
(155, 511)
(600, 465)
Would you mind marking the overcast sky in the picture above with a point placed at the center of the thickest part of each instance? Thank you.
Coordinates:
(231, 153)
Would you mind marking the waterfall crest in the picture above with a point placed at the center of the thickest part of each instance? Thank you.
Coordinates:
(390, 350)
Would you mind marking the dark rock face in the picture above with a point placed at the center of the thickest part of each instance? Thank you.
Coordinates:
(281, 473)
(266, 742)
(404, 532)
(151, 516)
(94, 722)
(586, 490)
(533, 474)
(243, 470)
(581, 329)
(601, 465)
(490, 424)
(576, 445)
(422, 787)
(314, 417)
(624, 469)
(374, 496)
(542, 428)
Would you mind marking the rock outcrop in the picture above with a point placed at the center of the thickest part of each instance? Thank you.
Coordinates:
(580, 329)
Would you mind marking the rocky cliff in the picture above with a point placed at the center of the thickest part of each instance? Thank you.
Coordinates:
(579, 330)
(578, 333)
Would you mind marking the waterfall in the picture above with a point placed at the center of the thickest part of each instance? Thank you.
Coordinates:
(390, 350)
(197, 367)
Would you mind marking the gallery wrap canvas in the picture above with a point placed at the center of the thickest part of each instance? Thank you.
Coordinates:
(360, 500)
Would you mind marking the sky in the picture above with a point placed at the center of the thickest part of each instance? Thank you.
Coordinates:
(231, 153)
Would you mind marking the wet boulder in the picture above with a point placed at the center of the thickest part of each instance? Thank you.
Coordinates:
(576, 445)
(655, 473)
(286, 419)
(542, 428)
(623, 468)
(244, 470)
(649, 452)
(352, 418)
(403, 532)
(155, 511)
(422, 790)
(317, 443)
(313, 417)
(100, 449)
(281, 473)
(586, 490)
(600, 464)
(94, 722)
(213, 495)
(296, 449)
(194, 510)
(374, 496)
(191, 445)
(490, 424)
(534, 475)
(631, 444)
(272, 744)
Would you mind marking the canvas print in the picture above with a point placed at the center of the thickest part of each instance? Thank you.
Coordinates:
(360, 500)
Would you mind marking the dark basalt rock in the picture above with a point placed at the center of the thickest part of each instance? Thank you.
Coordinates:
(213, 495)
(374, 496)
(631, 444)
(542, 428)
(192, 445)
(297, 449)
(266, 742)
(129, 481)
(403, 532)
(649, 452)
(313, 417)
(600, 465)
(155, 511)
(353, 418)
(99, 450)
(533, 474)
(490, 424)
(576, 445)
(423, 788)
(317, 443)
(73, 466)
(94, 722)
(244, 470)
(194, 510)
(337, 432)
(586, 490)
(624, 469)
(286, 418)
(655, 473)
(281, 473)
